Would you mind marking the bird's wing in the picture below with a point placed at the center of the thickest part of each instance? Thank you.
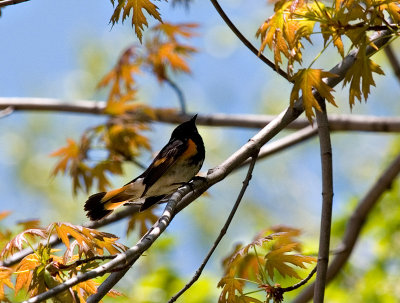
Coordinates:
(164, 160)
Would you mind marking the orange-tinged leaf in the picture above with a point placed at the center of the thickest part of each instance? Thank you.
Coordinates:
(173, 30)
(4, 214)
(307, 80)
(279, 259)
(229, 286)
(5, 280)
(24, 272)
(18, 242)
(138, 18)
(68, 154)
(360, 77)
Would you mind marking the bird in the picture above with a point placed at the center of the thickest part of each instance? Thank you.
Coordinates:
(175, 165)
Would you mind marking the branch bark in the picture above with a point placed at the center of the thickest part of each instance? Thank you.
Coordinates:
(355, 224)
(10, 2)
(327, 198)
(336, 122)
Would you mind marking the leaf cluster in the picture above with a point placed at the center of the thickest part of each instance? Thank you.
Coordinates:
(45, 268)
(293, 22)
(121, 137)
(258, 263)
(137, 8)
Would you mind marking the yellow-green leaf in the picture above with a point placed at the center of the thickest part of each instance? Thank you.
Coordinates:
(306, 80)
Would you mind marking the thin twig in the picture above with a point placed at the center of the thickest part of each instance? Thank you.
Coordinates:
(181, 96)
(246, 42)
(10, 2)
(355, 225)
(394, 62)
(283, 143)
(336, 122)
(222, 232)
(327, 199)
(302, 282)
(84, 261)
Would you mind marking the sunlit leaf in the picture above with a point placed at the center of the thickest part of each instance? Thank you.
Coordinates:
(280, 260)
(5, 280)
(360, 77)
(306, 80)
(138, 18)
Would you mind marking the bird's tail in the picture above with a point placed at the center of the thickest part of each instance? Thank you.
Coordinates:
(102, 204)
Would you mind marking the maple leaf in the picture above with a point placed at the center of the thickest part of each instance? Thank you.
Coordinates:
(306, 80)
(360, 74)
(141, 220)
(24, 271)
(138, 18)
(279, 259)
(5, 280)
(89, 241)
(172, 31)
(68, 154)
(229, 286)
(17, 243)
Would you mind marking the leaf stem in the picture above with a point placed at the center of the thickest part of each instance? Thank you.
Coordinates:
(246, 42)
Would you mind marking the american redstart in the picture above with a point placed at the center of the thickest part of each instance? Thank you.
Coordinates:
(176, 164)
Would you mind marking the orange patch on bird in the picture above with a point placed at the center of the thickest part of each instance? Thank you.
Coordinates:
(112, 193)
(191, 150)
(159, 161)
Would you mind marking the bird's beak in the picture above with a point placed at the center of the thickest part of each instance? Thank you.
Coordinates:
(194, 118)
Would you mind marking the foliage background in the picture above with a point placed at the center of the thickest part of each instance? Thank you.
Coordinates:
(62, 49)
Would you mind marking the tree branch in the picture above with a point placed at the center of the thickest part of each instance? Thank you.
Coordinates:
(327, 197)
(355, 224)
(10, 2)
(179, 93)
(302, 282)
(394, 62)
(283, 143)
(222, 232)
(246, 42)
(336, 122)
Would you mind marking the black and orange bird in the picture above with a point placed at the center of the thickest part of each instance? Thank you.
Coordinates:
(175, 165)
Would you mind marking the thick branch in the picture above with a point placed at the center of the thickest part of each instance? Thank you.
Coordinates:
(336, 122)
(222, 232)
(10, 2)
(355, 224)
(327, 198)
